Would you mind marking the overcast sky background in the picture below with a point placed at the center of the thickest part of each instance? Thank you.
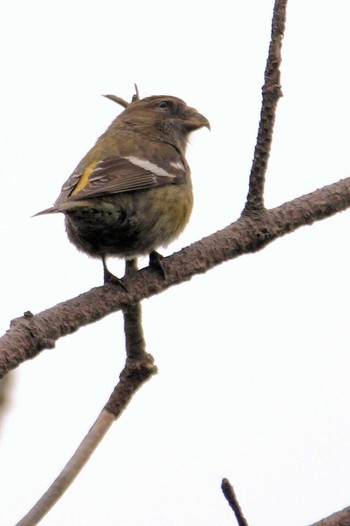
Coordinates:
(253, 357)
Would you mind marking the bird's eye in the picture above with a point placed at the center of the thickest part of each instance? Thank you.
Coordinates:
(164, 104)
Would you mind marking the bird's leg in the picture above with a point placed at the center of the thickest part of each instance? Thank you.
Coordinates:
(155, 261)
(108, 277)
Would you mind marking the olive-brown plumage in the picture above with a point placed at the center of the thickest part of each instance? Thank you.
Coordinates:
(132, 191)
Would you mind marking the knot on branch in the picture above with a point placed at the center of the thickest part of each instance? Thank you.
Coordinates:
(135, 373)
(272, 90)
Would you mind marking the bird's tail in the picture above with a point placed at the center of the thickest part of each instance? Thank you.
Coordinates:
(51, 210)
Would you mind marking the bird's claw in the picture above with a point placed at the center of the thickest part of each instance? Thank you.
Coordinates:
(155, 261)
(114, 280)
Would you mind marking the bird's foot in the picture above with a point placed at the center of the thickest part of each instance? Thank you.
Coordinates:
(108, 277)
(155, 261)
(114, 280)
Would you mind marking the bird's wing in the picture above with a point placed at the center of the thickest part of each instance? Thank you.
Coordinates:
(113, 175)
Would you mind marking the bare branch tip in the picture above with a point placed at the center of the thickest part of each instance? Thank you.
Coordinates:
(122, 102)
(232, 500)
(137, 94)
(117, 100)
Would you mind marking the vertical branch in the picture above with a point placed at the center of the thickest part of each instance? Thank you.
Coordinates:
(271, 94)
(139, 364)
(135, 344)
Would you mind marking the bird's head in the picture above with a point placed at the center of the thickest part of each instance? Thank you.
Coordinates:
(163, 117)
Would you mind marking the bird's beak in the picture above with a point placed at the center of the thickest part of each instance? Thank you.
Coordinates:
(196, 120)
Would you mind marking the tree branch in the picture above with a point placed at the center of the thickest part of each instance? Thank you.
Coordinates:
(139, 367)
(340, 518)
(31, 334)
(252, 232)
(271, 94)
(231, 498)
(133, 376)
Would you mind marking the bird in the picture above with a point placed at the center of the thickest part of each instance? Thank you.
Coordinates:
(132, 192)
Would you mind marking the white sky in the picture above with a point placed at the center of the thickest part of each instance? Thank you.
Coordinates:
(253, 357)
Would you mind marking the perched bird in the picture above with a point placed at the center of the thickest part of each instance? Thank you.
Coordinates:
(132, 191)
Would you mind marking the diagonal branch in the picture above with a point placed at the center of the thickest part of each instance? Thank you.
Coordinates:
(340, 518)
(31, 334)
(133, 376)
(139, 367)
(70, 471)
(271, 94)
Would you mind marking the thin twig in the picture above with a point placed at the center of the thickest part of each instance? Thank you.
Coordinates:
(271, 94)
(231, 498)
(133, 376)
(118, 100)
(139, 367)
(137, 94)
(121, 101)
(70, 471)
(135, 373)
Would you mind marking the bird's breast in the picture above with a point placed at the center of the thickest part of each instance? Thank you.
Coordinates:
(130, 224)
